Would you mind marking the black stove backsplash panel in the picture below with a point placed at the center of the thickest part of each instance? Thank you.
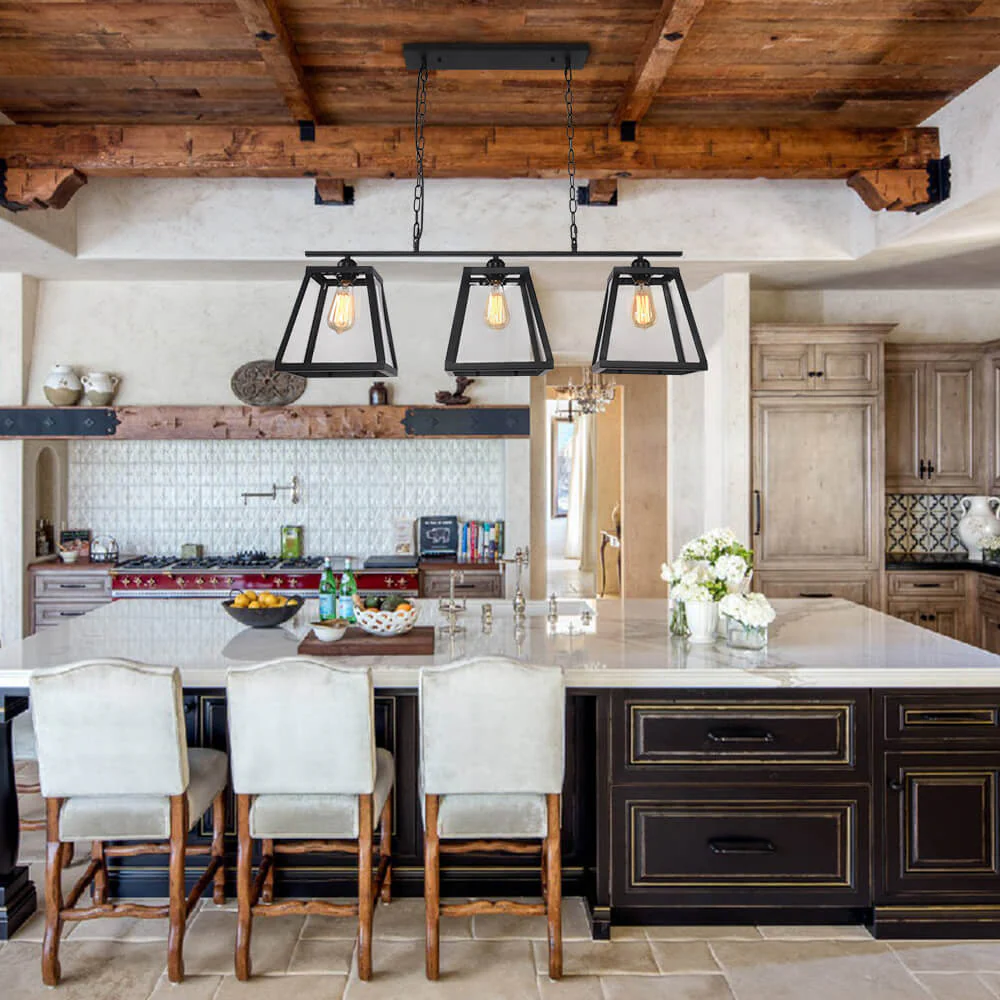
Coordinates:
(922, 522)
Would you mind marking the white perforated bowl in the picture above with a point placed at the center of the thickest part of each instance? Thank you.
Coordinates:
(386, 622)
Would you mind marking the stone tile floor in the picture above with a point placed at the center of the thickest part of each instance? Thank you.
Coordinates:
(491, 958)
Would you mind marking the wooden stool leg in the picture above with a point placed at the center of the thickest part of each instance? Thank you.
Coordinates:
(178, 894)
(385, 848)
(51, 972)
(267, 891)
(432, 886)
(553, 894)
(244, 887)
(365, 886)
(99, 887)
(218, 847)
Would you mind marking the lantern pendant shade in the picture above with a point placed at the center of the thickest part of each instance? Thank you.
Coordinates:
(477, 347)
(647, 326)
(311, 347)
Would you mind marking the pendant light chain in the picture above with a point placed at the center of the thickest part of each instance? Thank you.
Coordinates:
(419, 116)
(570, 155)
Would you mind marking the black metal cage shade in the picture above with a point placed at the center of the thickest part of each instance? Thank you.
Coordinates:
(670, 345)
(310, 348)
(526, 330)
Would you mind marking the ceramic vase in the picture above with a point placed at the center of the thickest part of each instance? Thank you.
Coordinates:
(99, 388)
(702, 620)
(62, 386)
(979, 522)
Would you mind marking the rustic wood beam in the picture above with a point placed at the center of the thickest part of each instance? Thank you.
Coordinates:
(333, 191)
(276, 48)
(40, 187)
(893, 190)
(603, 191)
(472, 151)
(663, 41)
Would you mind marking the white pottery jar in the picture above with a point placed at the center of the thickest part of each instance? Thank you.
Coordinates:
(702, 620)
(99, 388)
(62, 387)
(979, 522)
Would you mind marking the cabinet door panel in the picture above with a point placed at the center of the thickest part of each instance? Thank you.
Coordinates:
(904, 420)
(861, 589)
(946, 617)
(994, 424)
(952, 443)
(817, 468)
(782, 367)
(847, 367)
(940, 824)
(989, 627)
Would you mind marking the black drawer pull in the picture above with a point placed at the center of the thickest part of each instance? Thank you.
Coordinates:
(740, 734)
(71, 586)
(71, 614)
(804, 594)
(740, 845)
(924, 586)
(895, 786)
(958, 715)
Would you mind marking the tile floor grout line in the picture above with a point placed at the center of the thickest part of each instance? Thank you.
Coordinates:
(986, 985)
(722, 968)
(912, 974)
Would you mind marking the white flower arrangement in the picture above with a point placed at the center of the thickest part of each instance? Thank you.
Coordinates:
(709, 567)
(750, 610)
(991, 543)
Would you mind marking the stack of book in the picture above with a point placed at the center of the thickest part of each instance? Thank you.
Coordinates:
(480, 541)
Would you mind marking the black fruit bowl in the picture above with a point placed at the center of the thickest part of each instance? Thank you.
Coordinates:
(263, 617)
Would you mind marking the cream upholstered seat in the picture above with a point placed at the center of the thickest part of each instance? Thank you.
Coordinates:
(113, 764)
(491, 765)
(305, 769)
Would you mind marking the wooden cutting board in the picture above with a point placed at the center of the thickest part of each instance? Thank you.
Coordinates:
(356, 641)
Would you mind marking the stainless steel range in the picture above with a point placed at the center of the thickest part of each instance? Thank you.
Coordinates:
(217, 576)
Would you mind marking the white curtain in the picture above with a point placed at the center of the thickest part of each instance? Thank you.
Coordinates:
(581, 520)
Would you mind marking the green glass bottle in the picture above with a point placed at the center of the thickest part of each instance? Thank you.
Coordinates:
(345, 594)
(327, 592)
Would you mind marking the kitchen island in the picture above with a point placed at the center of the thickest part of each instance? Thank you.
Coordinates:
(850, 772)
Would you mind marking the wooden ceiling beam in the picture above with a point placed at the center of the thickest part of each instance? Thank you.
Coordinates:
(42, 187)
(892, 190)
(663, 41)
(276, 48)
(473, 151)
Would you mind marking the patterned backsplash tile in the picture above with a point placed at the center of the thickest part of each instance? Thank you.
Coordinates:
(924, 523)
(154, 496)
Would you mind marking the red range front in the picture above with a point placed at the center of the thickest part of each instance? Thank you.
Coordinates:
(139, 583)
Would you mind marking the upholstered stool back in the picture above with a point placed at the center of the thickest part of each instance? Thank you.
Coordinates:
(492, 726)
(109, 727)
(301, 727)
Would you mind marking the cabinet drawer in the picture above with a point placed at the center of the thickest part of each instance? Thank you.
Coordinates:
(946, 616)
(989, 588)
(663, 736)
(859, 589)
(57, 613)
(472, 585)
(926, 585)
(929, 718)
(784, 367)
(679, 844)
(69, 586)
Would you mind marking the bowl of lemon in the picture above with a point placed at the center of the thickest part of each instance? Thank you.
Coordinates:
(262, 609)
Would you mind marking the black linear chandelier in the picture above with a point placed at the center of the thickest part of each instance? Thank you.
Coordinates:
(497, 328)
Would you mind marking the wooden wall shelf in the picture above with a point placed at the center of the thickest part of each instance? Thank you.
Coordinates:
(249, 423)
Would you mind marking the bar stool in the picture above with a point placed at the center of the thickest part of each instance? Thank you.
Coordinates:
(307, 778)
(492, 734)
(114, 765)
(23, 739)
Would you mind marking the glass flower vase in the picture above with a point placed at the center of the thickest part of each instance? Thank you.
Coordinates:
(678, 620)
(740, 636)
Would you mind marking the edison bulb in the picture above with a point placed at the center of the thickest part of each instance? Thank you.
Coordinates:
(643, 310)
(341, 314)
(497, 312)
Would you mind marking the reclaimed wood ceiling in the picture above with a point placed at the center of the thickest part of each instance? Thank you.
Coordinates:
(790, 63)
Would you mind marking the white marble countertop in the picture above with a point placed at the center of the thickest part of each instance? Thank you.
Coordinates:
(813, 643)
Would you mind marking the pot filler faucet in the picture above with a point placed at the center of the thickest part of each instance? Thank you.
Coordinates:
(273, 495)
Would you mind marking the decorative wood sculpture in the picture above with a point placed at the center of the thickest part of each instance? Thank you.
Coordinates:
(458, 397)
(257, 384)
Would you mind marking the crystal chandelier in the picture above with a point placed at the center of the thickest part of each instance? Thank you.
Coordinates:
(593, 395)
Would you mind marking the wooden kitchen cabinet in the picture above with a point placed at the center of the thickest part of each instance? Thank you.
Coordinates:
(809, 358)
(477, 581)
(861, 588)
(992, 391)
(817, 473)
(935, 601)
(60, 593)
(934, 426)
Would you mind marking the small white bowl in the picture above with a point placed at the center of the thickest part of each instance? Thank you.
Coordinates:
(69, 555)
(376, 622)
(328, 633)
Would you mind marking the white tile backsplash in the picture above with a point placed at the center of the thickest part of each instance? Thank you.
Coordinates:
(154, 496)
